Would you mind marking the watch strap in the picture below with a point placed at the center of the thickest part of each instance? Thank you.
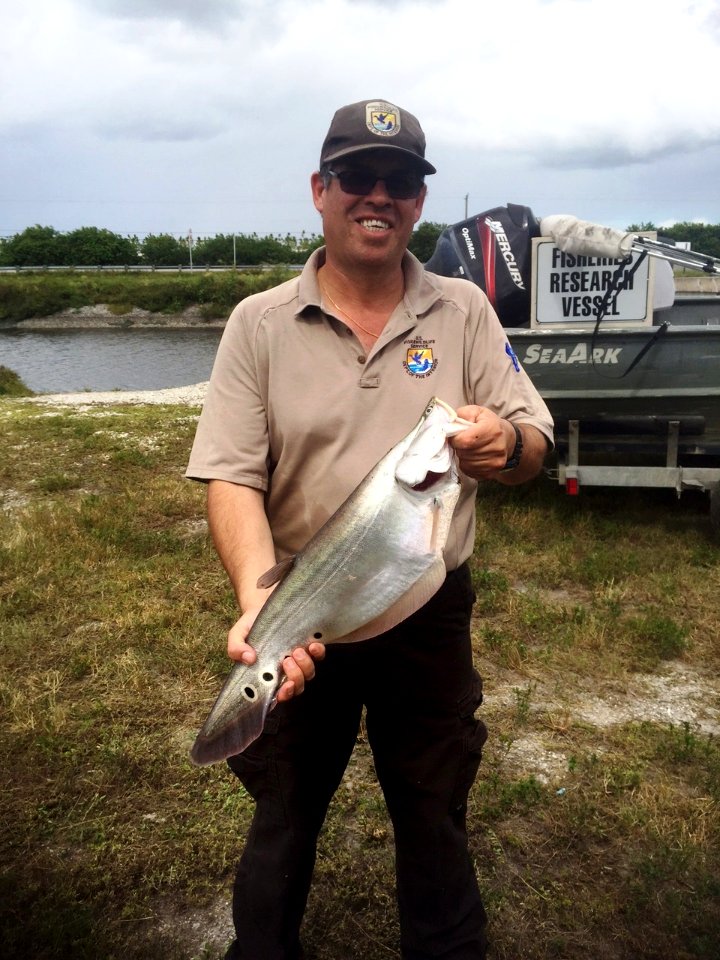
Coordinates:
(514, 459)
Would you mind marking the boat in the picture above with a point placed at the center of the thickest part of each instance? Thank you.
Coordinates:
(629, 370)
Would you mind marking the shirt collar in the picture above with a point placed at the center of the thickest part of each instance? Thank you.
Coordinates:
(421, 289)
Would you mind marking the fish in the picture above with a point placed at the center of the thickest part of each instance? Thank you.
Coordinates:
(374, 562)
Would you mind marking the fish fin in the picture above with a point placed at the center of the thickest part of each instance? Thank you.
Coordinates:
(276, 574)
(418, 594)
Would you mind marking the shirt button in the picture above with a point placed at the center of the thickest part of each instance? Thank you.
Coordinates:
(361, 359)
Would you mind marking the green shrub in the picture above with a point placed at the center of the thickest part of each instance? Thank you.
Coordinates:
(11, 385)
(657, 637)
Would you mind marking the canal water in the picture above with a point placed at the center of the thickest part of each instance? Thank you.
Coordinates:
(58, 361)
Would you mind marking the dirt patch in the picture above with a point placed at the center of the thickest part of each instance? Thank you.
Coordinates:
(533, 756)
(12, 500)
(205, 932)
(677, 695)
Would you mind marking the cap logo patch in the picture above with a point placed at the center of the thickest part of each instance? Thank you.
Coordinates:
(382, 119)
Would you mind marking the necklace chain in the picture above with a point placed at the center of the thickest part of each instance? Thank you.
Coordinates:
(324, 289)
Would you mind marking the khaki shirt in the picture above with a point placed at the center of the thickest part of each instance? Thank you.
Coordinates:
(297, 409)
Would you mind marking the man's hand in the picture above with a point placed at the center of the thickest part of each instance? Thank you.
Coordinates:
(298, 667)
(483, 449)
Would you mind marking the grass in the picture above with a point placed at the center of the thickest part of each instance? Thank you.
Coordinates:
(11, 385)
(41, 294)
(594, 825)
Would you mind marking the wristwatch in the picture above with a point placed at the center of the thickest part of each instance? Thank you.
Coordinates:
(514, 459)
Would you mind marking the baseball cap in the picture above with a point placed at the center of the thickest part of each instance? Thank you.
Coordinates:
(375, 125)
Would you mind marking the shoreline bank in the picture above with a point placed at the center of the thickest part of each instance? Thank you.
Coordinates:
(100, 316)
(192, 395)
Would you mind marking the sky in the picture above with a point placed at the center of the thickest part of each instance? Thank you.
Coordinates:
(165, 116)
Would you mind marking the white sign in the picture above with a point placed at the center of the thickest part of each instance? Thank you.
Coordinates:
(568, 290)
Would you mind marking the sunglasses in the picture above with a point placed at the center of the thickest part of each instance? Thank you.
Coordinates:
(400, 186)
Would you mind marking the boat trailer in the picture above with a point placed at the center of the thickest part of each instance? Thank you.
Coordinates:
(573, 474)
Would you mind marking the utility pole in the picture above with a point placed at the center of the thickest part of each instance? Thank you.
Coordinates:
(467, 197)
(190, 245)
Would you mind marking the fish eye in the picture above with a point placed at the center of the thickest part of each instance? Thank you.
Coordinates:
(249, 692)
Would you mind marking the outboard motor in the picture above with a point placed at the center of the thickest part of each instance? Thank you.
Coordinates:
(494, 250)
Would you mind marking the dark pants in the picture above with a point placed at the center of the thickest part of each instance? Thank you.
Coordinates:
(420, 691)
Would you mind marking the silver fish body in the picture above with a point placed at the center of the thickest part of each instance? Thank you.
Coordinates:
(372, 564)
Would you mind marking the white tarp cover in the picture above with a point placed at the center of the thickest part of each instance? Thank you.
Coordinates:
(585, 239)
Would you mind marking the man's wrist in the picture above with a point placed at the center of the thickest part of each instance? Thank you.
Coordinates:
(513, 460)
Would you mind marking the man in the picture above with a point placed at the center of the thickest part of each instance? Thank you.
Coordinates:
(314, 381)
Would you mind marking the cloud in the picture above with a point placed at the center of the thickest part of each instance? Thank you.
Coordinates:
(209, 14)
(577, 76)
(200, 96)
(558, 76)
(158, 128)
(609, 153)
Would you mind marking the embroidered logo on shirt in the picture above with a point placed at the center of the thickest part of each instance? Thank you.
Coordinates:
(511, 353)
(420, 361)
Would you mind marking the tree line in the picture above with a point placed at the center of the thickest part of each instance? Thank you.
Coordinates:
(40, 246)
(703, 237)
